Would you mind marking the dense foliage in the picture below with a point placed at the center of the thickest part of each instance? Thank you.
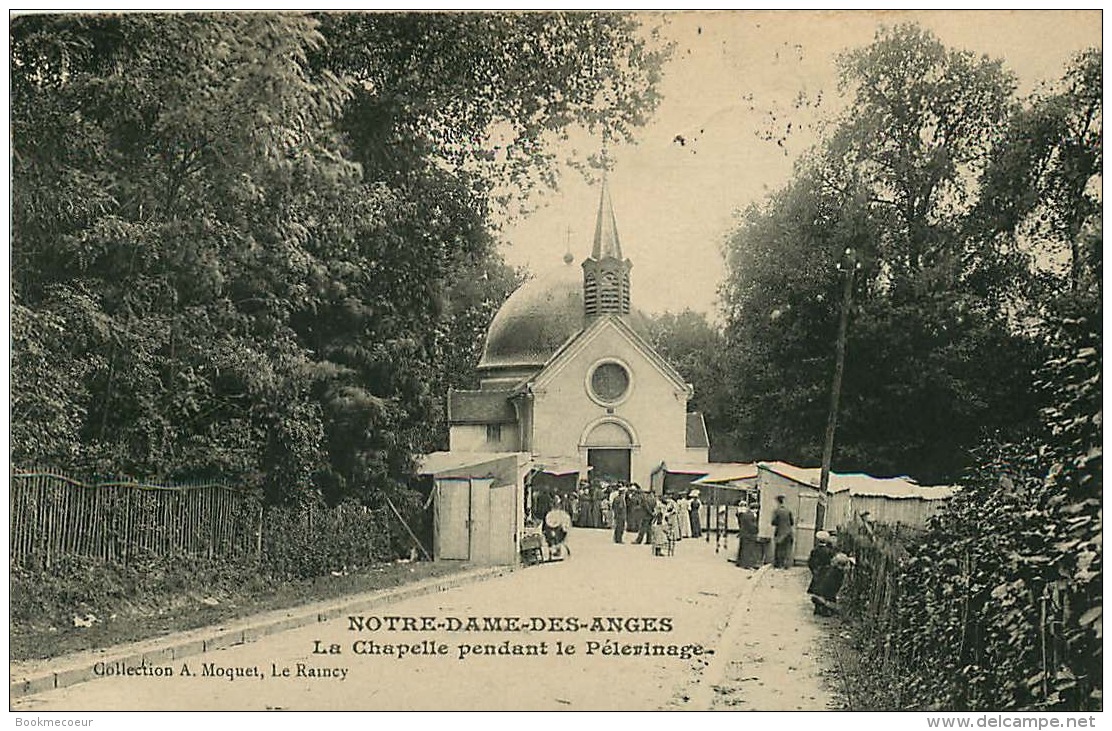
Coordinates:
(972, 215)
(973, 358)
(264, 255)
(999, 604)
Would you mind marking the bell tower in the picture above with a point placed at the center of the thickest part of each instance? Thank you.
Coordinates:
(605, 273)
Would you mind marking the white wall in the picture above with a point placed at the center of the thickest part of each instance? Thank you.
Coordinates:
(562, 408)
(473, 438)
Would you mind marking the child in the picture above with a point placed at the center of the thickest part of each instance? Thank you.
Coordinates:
(658, 532)
(671, 524)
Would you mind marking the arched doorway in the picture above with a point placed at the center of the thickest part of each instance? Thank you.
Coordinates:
(608, 445)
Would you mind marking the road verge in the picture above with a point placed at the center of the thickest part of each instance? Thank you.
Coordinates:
(39, 676)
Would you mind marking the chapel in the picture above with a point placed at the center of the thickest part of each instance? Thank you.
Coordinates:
(568, 376)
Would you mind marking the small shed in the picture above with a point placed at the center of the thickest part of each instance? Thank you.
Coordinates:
(801, 497)
(892, 500)
(675, 478)
(478, 503)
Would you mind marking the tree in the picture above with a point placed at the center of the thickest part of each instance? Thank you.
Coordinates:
(159, 206)
(778, 298)
(244, 258)
(1039, 186)
(485, 93)
(693, 345)
(934, 361)
(920, 129)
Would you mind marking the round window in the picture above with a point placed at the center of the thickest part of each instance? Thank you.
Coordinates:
(609, 382)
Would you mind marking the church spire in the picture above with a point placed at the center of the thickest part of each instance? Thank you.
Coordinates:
(605, 273)
(606, 228)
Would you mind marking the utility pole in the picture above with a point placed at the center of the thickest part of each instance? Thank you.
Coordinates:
(848, 267)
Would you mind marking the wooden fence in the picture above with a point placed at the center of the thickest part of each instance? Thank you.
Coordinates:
(53, 514)
(878, 599)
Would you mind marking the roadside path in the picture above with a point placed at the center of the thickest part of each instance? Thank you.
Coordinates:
(753, 628)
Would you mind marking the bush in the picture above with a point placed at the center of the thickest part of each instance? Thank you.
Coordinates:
(315, 540)
(999, 605)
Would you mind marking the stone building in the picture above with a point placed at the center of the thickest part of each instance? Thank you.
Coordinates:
(568, 376)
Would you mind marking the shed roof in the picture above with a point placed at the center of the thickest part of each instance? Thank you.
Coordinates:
(721, 472)
(858, 484)
(685, 468)
(558, 466)
(480, 407)
(464, 464)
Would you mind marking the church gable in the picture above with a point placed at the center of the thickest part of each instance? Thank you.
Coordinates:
(609, 340)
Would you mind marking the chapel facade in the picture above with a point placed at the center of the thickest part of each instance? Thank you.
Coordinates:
(568, 376)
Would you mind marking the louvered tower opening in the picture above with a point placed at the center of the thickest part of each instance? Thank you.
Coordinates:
(606, 274)
(590, 295)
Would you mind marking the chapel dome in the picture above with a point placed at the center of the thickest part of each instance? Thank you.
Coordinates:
(538, 318)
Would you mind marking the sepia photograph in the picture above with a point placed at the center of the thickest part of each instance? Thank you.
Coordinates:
(557, 360)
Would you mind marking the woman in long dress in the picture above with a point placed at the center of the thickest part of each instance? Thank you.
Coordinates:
(596, 507)
(696, 523)
(683, 508)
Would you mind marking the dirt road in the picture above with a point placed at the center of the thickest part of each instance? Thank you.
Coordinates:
(610, 628)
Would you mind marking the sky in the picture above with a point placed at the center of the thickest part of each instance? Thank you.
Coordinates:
(734, 79)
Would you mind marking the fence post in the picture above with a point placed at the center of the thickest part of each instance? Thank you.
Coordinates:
(49, 505)
(210, 508)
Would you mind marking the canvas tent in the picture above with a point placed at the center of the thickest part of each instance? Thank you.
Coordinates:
(556, 473)
(675, 478)
(725, 485)
(897, 500)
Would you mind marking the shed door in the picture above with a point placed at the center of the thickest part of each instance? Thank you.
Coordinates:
(480, 519)
(453, 516)
(503, 525)
(805, 524)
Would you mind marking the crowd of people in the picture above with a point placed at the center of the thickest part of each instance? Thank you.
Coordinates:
(661, 522)
(626, 508)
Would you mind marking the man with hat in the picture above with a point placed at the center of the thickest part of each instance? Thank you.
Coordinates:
(648, 510)
(783, 534)
(618, 509)
(635, 509)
